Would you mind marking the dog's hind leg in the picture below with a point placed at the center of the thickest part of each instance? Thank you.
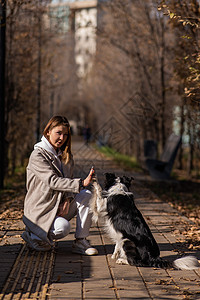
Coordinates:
(131, 253)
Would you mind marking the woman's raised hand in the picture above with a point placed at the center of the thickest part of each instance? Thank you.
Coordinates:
(88, 179)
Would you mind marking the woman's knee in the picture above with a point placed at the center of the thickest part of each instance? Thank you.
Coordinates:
(61, 228)
(83, 197)
(66, 228)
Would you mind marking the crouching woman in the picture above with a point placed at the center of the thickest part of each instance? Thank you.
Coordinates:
(53, 196)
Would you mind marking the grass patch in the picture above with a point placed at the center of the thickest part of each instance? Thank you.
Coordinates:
(125, 161)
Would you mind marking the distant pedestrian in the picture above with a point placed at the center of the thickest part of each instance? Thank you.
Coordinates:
(87, 134)
(53, 196)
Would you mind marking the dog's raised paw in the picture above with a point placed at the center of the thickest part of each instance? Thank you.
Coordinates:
(122, 261)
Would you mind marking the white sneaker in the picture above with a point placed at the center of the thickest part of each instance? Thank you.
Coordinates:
(38, 245)
(82, 246)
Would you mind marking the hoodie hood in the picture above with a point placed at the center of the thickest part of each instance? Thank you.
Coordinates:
(44, 144)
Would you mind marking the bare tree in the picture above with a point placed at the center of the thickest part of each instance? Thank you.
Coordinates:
(40, 73)
(23, 78)
(131, 79)
(184, 17)
(2, 88)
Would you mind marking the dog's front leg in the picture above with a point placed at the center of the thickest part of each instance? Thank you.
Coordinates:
(122, 259)
(119, 255)
(116, 252)
(99, 200)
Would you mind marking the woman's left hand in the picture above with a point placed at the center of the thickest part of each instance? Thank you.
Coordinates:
(63, 208)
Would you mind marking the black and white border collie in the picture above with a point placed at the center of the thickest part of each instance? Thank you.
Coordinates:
(124, 223)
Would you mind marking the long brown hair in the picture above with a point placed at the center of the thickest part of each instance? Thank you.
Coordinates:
(66, 147)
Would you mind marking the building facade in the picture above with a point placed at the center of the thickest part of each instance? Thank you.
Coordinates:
(81, 18)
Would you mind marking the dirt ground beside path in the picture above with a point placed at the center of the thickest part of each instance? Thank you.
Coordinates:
(12, 202)
(183, 195)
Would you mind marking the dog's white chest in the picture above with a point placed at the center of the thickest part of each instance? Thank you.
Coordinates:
(113, 234)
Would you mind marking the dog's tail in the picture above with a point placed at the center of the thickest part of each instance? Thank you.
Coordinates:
(184, 263)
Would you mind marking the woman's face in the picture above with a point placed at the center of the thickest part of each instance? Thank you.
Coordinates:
(57, 136)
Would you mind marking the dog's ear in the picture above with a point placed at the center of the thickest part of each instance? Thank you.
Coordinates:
(127, 181)
(110, 176)
(110, 180)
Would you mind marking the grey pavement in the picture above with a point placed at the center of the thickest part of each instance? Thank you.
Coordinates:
(60, 274)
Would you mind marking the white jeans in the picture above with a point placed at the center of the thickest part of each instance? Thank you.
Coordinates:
(80, 207)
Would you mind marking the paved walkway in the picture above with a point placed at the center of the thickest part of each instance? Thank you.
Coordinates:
(59, 274)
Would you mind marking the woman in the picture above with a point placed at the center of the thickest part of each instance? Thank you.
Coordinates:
(53, 197)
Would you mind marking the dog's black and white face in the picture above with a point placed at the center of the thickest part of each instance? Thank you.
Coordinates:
(114, 184)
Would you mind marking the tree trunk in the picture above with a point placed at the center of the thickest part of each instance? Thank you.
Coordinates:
(182, 125)
(191, 145)
(2, 88)
(38, 109)
(163, 93)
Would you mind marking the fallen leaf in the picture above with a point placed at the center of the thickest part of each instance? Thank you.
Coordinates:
(69, 272)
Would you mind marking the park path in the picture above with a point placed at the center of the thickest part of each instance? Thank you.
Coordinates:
(59, 274)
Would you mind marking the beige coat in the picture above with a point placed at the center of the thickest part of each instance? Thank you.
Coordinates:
(46, 186)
